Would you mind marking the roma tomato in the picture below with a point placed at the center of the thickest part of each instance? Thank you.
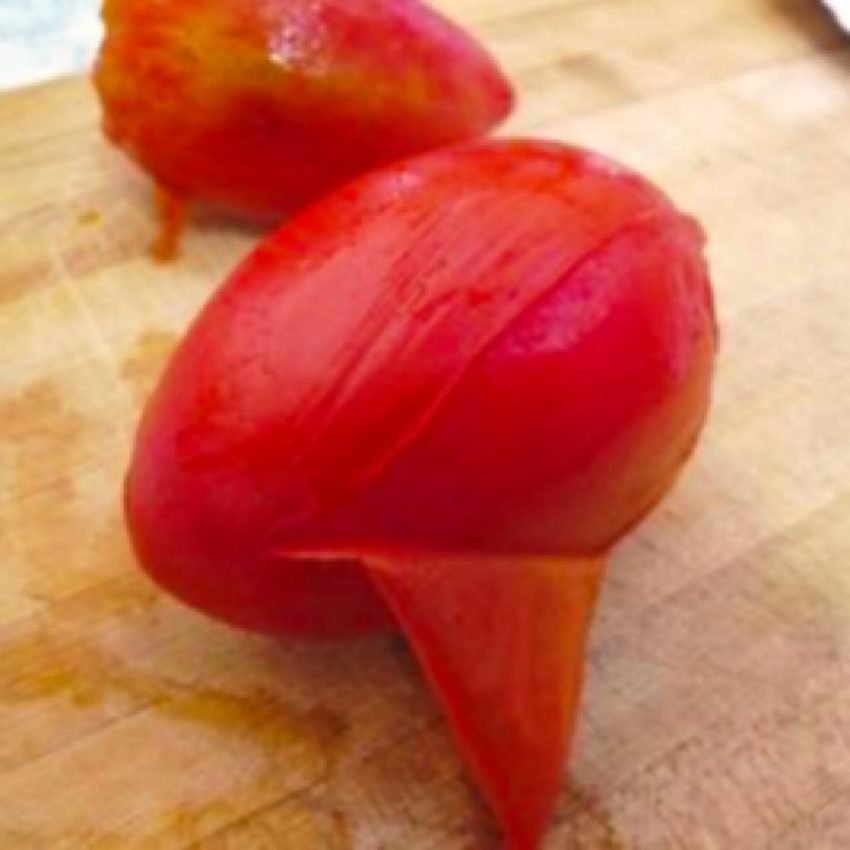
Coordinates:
(446, 390)
(258, 107)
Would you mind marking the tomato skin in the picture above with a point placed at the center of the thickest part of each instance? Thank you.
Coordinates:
(260, 107)
(501, 640)
(435, 400)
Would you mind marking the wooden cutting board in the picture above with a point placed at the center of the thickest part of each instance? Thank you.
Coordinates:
(717, 713)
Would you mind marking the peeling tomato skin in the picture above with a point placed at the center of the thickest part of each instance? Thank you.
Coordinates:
(435, 400)
(259, 107)
(501, 639)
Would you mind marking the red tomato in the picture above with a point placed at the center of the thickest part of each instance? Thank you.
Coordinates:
(258, 107)
(458, 380)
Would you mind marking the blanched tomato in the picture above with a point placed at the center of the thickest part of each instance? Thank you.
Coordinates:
(451, 386)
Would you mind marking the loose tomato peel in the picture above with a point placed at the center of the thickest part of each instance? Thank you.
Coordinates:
(173, 213)
(501, 639)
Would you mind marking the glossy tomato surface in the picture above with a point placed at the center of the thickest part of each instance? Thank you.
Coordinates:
(504, 347)
(259, 107)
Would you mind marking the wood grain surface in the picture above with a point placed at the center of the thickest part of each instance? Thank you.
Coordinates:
(717, 712)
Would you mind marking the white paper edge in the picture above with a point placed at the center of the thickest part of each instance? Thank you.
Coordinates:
(841, 10)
